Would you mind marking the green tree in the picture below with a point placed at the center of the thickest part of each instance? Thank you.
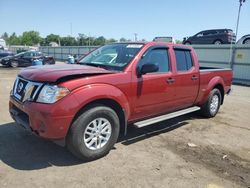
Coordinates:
(178, 41)
(5, 36)
(30, 38)
(111, 41)
(14, 39)
(99, 41)
(68, 41)
(123, 39)
(52, 38)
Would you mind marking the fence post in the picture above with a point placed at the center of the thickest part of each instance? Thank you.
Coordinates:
(233, 57)
(61, 53)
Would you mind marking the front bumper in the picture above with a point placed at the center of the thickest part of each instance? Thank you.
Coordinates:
(3, 62)
(49, 121)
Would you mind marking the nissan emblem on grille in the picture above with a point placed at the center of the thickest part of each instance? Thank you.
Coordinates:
(25, 90)
(19, 87)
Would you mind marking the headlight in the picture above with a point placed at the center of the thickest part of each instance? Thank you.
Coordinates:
(52, 93)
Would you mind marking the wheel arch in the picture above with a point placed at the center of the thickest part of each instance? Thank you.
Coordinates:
(106, 95)
(216, 82)
(221, 89)
(108, 103)
(217, 40)
(243, 42)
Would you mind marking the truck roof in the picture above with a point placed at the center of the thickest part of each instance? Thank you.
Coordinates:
(154, 43)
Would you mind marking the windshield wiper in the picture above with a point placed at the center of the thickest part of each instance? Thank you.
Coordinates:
(107, 67)
(95, 65)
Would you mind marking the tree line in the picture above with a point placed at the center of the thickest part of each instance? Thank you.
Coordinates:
(33, 38)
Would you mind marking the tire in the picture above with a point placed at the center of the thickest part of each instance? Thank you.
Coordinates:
(187, 43)
(217, 42)
(246, 41)
(14, 64)
(212, 106)
(85, 141)
(46, 63)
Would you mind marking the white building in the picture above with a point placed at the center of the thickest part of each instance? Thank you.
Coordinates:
(2, 44)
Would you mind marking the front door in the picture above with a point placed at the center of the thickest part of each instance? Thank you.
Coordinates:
(26, 59)
(153, 91)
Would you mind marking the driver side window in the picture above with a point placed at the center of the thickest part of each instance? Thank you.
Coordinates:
(158, 57)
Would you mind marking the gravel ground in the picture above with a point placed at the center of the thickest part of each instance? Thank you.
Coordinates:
(188, 151)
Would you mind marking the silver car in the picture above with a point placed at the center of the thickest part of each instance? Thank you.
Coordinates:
(244, 40)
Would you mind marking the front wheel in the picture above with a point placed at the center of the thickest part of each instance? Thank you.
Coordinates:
(14, 64)
(187, 43)
(212, 106)
(246, 41)
(94, 133)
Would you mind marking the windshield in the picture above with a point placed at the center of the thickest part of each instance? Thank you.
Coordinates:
(112, 56)
(17, 55)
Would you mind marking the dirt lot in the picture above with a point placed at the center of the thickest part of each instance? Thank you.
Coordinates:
(155, 156)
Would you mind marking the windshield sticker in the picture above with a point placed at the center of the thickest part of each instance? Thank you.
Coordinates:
(134, 46)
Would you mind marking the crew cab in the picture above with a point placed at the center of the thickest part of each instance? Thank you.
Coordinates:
(87, 105)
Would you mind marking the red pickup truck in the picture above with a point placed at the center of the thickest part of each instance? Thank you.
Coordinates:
(89, 104)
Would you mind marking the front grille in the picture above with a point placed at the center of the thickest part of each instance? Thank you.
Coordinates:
(25, 90)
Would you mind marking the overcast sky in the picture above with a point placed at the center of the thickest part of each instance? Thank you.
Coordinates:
(122, 18)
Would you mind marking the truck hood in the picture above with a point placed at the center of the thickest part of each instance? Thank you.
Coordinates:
(57, 73)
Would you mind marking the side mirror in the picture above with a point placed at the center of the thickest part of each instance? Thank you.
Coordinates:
(147, 68)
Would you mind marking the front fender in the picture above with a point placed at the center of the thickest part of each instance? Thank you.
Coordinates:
(89, 93)
(217, 80)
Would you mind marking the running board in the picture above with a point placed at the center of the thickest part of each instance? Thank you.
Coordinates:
(146, 122)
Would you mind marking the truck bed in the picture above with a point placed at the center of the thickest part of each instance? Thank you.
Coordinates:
(203, 69)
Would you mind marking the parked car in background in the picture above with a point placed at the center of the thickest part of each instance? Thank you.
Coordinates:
(164, 39)
(5, 53)
(25, 59)
(213, 36)
(244, 40)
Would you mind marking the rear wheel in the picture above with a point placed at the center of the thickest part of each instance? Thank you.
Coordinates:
(14, 64)
(94, 133)
(212, 106)
(217, 42)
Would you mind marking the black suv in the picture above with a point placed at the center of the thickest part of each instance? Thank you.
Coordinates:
(25, 59)
(213, 36)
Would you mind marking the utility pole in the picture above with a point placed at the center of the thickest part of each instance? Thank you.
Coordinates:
(238, 19)
(135, 36)
(89, 39)
(82, 36)
(71, 29)
(232, 49)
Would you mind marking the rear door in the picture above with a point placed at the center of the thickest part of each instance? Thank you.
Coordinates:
(186, 78)
(154, 92)
(211, 36)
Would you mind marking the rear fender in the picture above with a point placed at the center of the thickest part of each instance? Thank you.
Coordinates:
(211, 85)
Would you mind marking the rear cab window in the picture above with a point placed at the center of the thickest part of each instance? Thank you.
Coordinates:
(184, 60)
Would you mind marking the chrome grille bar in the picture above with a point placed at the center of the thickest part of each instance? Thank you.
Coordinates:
(30, 91)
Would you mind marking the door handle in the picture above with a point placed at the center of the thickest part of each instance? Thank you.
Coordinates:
(194, 77)
(170, 80)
